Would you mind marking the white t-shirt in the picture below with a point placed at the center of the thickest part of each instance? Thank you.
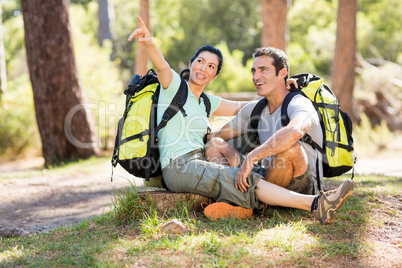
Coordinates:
(269, 124)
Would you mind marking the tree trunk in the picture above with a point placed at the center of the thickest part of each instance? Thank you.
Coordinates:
(343, 66)
(141, 58)
(64, 125)
(275, 27)
(3, 70)
(106, 20)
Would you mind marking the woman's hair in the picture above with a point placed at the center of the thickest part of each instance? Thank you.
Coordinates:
(186, 72)
(279, 56)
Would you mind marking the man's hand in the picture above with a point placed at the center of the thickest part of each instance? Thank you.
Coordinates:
(291, 81)
(208, 137)
(241, 179)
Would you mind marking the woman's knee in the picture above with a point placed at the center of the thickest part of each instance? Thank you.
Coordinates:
(216, 143)
(214, 147)
(219, 151)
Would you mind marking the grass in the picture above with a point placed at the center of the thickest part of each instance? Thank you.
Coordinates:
(129, 236)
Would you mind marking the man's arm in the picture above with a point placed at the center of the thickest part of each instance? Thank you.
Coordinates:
(280, 142)
(238, 125)
(229, 108)
(283, 139)
(225, 133)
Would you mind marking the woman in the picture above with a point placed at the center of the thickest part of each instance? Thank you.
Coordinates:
(182, 148)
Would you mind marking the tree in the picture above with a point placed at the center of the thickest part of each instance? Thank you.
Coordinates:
(3, 71)
(343, 67)
(182, 31)
(106, 20)
(275, 27)
(64, 125)
(141, 58)
(380, 30)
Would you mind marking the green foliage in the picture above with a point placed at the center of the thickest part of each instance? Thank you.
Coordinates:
(18, 129)
(380, 29)
(84, 3)
(234, 76)
(100, 76)
(15, 47)
(129, 206)
(10, 9)
(206, 22)
(300, 60)
(312, 26)
(370, 139)
(84, 23)
(126, 13)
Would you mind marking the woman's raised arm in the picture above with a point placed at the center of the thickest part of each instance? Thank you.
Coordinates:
(142, 35)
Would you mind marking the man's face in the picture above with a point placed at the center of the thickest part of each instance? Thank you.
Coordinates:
(264, 76)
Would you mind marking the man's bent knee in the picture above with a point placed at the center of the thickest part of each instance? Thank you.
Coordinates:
(295, 155)
(283, 167)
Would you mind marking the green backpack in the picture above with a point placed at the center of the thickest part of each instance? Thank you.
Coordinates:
(136, 148)
(336, 125)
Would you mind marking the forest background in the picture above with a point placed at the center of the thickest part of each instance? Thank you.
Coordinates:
(179, 28)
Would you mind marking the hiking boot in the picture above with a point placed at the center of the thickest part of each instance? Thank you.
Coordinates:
(329, 202)
(220, 210)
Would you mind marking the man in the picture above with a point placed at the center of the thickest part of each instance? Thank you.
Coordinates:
(289, 162)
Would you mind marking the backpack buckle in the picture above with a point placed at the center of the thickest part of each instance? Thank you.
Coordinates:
(306, 138)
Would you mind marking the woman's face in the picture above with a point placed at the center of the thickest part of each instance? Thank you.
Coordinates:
(203, 69)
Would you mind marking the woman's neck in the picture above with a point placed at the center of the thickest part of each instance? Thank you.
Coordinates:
(196, 90)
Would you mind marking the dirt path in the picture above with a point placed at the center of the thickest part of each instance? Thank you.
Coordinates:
(44, 201)
(49, 199)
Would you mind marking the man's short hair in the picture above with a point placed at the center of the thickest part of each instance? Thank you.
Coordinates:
(279, 56)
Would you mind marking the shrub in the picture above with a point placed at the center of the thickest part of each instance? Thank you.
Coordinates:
(130, 206)
(18, 129)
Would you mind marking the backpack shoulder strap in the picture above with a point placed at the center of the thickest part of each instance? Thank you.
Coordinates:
(207, 104)
(256, 113)
(175, 105)
(284, 109)
(285, 120)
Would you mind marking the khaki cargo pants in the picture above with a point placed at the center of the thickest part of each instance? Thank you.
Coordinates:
(191, 173)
